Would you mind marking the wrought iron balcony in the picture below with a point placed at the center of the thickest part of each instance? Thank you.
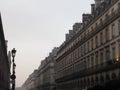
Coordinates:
(105, 66)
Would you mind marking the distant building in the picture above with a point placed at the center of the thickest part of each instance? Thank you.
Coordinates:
(89, 58)
(29, 84)
(44, 77)
(4, 63)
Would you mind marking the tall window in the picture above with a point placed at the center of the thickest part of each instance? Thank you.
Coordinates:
(73, 55)
(112, 11)
(101, 56)
(87, 31)
(84, 48)
(96, 24)
(84, 64)
(92, 43)
(81, 51)
(119, 26)
(113, 52)
(101, 38)
(107, 34)
(92, 60)
(96, 41)
(119, 49)
(88, 62)
(81, 36)
(88, 46)
(91, 28)
(101, 21)
(106, 16)
(76, 54)
(113, 30)
(107, 54)
(96, 58)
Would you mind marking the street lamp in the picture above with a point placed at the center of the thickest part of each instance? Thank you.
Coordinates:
(13, 76)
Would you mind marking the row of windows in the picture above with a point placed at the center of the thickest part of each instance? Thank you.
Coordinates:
(103, 55)
(98, 40)
(86, 48)
(98, 23)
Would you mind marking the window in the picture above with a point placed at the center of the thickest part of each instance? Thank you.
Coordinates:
(81, 36)
(88, 62)
(113, 30)
(84, 64)
(76, 54)
(88, 32)
(101, 38)
(112, 11)
(88, 46)
(96, 41)
(96, 58)
(71, 57)
(84, 48)
(101, 21)
(107, 34)
(91, 28)
(92, 60)
(119, 26)
(81, 51)
(101, 56)
(107, 54)
(113, 52)
(96, 24)
(106, 16)
(92, 43)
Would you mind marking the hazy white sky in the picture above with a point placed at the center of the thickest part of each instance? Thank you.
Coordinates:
(34, 27)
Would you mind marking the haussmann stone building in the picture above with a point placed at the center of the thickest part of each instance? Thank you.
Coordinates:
(43, 78)
(89, 58)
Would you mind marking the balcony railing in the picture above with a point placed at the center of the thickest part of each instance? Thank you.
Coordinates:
(106, 66)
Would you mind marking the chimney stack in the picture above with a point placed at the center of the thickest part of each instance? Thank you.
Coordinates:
(67, 36)
(98, 2)
(76, 26)
(92, 8)
(85, 17)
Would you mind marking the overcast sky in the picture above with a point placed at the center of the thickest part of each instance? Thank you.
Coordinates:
(34, 27)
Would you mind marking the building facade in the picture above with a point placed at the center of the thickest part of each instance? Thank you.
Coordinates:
(4, 63)
(89, 58)
(44, 77)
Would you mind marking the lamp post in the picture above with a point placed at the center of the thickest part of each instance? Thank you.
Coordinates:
(13, 76)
